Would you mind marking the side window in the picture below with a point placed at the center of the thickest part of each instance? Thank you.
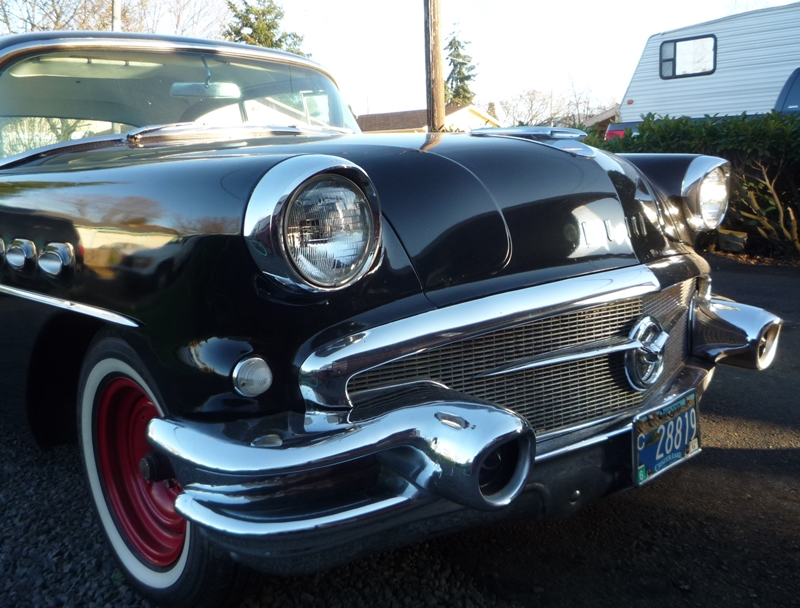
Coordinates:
(18, 134)
(303, 107)
(688, 57)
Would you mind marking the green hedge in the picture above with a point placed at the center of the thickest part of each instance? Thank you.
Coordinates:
(764, 152)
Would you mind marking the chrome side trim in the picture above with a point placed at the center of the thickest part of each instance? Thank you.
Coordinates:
(324, 374)
(84, 309)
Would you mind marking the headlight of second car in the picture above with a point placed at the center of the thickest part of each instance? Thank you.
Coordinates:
(313, 222)
(705, 193)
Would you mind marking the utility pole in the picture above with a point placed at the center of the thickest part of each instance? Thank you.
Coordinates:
(433, 67)
(116, 15)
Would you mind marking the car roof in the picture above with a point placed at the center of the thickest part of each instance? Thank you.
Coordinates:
(49, 38)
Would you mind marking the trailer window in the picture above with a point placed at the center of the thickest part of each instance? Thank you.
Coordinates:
(688, 57)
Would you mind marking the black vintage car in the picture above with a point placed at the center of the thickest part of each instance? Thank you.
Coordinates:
(291, 344)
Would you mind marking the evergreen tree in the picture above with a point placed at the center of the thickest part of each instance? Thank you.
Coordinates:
(462, 72)
(259, 23)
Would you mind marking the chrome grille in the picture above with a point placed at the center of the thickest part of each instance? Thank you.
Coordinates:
(555, 396)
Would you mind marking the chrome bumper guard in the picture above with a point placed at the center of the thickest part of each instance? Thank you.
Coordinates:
(735, 334)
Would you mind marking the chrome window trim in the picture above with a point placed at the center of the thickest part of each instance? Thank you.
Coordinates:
(324, 374)
(84, 309)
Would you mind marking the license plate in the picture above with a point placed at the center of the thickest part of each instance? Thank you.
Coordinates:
(664, 437)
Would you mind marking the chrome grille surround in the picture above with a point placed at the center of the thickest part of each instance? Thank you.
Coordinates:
(550, 397)
(567, 316)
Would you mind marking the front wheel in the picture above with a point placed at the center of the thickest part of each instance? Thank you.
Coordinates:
(161, 553)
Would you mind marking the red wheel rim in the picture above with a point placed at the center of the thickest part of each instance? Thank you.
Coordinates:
(144, 510)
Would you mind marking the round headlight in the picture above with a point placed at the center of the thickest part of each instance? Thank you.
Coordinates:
(328, 231)
(712, 198)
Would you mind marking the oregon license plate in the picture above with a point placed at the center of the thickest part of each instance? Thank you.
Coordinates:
(664, 437)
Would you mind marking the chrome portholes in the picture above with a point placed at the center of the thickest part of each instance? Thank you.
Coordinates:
(57, 259)
(644, 364)
(21, 255)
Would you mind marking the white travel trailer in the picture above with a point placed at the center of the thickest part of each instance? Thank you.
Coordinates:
(745, 63)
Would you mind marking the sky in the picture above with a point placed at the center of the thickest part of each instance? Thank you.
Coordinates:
(375, 48)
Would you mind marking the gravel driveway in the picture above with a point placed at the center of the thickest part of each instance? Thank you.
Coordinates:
(723, 530)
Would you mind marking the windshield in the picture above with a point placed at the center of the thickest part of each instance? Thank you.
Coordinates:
(59, 96)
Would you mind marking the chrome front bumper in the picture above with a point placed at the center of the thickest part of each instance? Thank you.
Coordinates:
(294, 493)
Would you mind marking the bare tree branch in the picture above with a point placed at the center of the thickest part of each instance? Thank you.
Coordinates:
(180, 17)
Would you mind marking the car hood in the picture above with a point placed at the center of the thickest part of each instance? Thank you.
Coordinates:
(481, 214)
(474, 214)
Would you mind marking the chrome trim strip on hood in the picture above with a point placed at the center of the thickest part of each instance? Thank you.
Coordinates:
(556, 137)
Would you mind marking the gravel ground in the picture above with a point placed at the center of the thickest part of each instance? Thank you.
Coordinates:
(722, 530)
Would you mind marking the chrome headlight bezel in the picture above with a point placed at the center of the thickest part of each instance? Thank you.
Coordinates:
(266, 216)
(331, 271)
(704, 183)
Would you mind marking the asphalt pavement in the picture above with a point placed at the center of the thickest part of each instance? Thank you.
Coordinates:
(721, 530)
